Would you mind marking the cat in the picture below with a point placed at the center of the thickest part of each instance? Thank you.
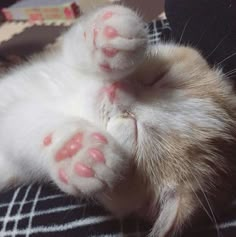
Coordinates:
(144, 129)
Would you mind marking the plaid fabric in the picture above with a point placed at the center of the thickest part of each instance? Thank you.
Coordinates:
(158, 30)
(43, 211)
(36, 210)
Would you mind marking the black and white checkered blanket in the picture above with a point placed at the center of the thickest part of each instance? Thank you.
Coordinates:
(43, 211)
(36, 210)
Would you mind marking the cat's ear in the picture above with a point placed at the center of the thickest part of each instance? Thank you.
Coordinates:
(175, 209)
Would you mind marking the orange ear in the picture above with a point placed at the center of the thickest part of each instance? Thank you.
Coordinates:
(175, 210)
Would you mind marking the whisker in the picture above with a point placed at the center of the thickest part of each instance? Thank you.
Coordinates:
(199, 200)
(230, 72)
(230, 56)
(208, 203)
(212, 215)
(231, 76)
(184, 29)
(217, 46)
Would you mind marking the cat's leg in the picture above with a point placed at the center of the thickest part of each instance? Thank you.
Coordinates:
(110, 42)
(40, 144)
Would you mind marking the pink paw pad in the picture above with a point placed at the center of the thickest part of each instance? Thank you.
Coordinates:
(109, 52)
(77, 138)
(110, 32)
(62, 154)
(83, 170)
(95, 34)
(106, 67)
(99, 137)
(96, 154)
(47, 140)
(107, 15)
(63, 176)
(70, 148)
(111, 91)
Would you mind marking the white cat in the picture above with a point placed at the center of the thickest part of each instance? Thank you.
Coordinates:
(137, 127)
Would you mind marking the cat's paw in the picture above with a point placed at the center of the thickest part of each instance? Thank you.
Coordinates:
(84, 160)
(117, 40)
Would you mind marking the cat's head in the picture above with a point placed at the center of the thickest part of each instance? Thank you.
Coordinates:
(186, 143)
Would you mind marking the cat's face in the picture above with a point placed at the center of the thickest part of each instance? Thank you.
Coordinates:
(181, 107)
(184, 115)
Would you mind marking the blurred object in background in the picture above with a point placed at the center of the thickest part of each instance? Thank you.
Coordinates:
(41, 10)
(87, 5)
(149, 9)
(5, 3)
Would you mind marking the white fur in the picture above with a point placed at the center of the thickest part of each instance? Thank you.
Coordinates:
(60, 93)
(56, 94)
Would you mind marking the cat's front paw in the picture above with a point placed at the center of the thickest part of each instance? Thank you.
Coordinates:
(84, 160)
(117, 40)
